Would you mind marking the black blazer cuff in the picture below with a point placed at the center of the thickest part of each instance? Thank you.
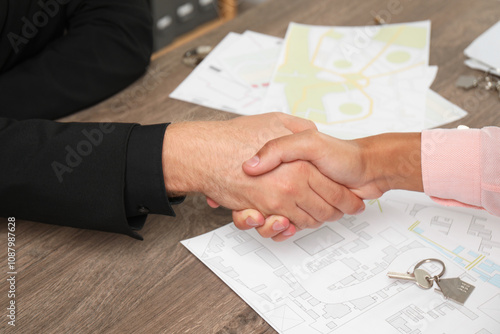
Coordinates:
(145, 191)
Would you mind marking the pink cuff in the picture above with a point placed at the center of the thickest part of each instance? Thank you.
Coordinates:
(451, 171)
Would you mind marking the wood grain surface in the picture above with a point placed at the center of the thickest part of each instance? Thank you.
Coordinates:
(78, 281)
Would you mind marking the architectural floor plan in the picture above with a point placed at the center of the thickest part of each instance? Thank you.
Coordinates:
(333, 279)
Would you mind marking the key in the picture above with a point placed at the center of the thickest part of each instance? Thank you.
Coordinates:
(454, 289)
(467, 82)
(419, 276)
(487, 82)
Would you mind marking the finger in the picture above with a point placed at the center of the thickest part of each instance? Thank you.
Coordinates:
(306, 145)
(297, 124)
(247, 219)
(302, 219)
(336, 195)
(317, 208)
(306, 192)
(212, 203)
(289, 232)
(273, 226)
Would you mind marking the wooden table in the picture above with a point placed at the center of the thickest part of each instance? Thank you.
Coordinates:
(77, 281)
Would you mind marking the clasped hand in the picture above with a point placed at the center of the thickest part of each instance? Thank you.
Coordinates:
(275, 197)
(367, 166)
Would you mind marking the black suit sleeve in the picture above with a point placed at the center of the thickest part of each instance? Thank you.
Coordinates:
(65, 174)
(144, 182)
(85, 175)
(107, 45)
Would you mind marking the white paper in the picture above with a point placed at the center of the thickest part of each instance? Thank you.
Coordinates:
(244, 74)
(476, 230)
(333, 279)
(486, 48)
(212, 83)
(477, 65)
(439, 111)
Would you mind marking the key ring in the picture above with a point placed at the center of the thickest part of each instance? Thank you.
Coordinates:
(195, 56)
(436, 277)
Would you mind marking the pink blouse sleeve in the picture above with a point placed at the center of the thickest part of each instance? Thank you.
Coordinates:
(462, 167)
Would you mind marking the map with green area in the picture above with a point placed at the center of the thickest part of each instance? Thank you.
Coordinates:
(354, 80)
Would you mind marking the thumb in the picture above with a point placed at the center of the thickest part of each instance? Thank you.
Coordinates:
(269, 157)
(300, 146)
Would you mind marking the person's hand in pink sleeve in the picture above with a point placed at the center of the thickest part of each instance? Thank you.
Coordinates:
(368, 167)
(454, 167)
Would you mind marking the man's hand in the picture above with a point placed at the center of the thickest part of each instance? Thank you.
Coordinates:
(206, 157)
(368, 166)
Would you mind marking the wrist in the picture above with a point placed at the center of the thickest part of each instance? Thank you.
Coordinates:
(177, 148)
(197, 158)
(393, 161)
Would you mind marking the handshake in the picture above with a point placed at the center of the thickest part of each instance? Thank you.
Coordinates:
(280, 175)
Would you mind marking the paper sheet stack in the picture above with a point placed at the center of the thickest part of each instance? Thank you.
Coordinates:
(351, 81)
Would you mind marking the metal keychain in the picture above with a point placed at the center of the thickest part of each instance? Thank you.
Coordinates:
(421, 277)
(488, 82)
(454, 289)
(432, 260)
(451, 288)
(195, 56)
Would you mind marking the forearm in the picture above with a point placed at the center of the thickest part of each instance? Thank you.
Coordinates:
(454, 167)
(181, 174)
(194, 154)
(392, 161)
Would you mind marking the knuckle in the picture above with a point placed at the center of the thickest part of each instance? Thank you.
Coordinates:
(310, 222)
(354, 207)
(271, 146)
(264, 135)
(316, 225)
(312, 133)
(311, 124)
(327, 214)
(274, 206)
(337, 216)
(287, 188)
(276, 120)
(335, 194)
